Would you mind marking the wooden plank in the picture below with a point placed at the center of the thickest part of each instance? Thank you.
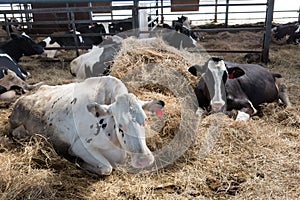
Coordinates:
(56, 17)
(100, 4)
(184, 2)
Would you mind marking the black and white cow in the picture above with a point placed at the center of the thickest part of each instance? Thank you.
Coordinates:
(67, 41)
(226, 86)
(118, 26)
(183, 25)
(98, 61)
(178, 40)
(12, 75)
(289, 31)
(20, 45)
(11, 84)
(98, 122)
(13, 25)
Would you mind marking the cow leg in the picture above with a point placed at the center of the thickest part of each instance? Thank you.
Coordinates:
(246, 110)
(8, 95)
(93, 160)
(20, 132)
(283, 95)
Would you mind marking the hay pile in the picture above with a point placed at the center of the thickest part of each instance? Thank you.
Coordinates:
(216, 157)
(152, 69)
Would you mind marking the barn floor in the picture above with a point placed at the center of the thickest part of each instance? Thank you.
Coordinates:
(258, 159)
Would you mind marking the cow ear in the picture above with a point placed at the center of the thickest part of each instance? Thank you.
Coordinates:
(99, 110)
(5, 71)
(154, 106)
(196, 70)
(235, 72)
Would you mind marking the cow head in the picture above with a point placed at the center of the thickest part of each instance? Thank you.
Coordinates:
(21, 45)
(129, 116)
(215, 74)
(9, 80)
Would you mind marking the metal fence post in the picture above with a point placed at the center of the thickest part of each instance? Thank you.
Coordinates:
(268, 27)
(135, 14)
(226, 15)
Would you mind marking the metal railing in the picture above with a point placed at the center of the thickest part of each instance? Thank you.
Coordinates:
(132, 9)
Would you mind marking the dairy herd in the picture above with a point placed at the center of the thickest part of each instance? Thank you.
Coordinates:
(97, 119)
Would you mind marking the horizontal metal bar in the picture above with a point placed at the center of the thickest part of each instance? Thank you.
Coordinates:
(225, 51)
(229, 29)
(52, 1)
(206, 5)
(67, 9)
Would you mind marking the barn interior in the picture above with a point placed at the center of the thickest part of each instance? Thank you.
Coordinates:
(198, 156)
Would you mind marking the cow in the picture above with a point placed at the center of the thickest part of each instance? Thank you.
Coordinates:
(226, 86)
(13, 25)
(97, 123)
(11, 84)
(98, 61)
(66, 41)
(178, 40)
(183, 25)
(12, 75)
(20, 45)
(289, 31)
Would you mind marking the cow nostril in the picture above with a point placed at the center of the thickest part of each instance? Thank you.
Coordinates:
(144, 161)
(217, 106)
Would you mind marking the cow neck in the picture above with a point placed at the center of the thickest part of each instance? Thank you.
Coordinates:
(12, 49)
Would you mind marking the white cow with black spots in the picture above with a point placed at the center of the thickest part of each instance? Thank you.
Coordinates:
(96, 120)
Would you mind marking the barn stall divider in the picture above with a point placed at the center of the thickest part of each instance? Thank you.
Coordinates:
(44, 18)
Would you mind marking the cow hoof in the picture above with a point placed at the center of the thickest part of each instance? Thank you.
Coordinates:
(242, 116)
(105, 170)
(20, 132)
(100, 170)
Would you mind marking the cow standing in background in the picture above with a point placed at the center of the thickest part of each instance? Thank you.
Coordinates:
(96, 120)
(12, 75)
(226, 86)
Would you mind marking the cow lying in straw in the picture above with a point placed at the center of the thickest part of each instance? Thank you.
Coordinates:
(96, 120)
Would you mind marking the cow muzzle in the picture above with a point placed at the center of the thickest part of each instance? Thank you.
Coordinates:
(217, 106)
(142, 160)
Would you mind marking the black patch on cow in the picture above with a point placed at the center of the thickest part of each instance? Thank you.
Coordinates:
(97, 114)
(89, 140)
(108, 134)
(50, 124)
(101, 121)
(91, 126)
(105, 61)
(74, 101)
(55, 102)
(104, 126)
(122, 134)
(98, 129)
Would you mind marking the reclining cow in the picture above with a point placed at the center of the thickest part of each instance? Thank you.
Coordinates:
(289, 31)
(98, 122)
(59, 40)
(98, 61)
(246, 87)
(12, 75)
